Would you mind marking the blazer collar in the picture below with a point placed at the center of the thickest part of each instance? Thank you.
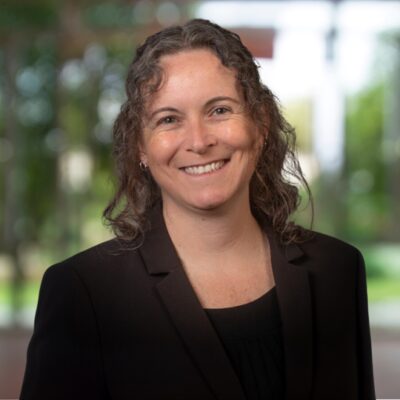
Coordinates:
(157, 248)
(197, 332)
(295, 303)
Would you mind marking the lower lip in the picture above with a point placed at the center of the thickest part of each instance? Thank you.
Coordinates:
(206, 173)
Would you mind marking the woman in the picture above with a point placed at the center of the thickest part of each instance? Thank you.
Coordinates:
(208, 291)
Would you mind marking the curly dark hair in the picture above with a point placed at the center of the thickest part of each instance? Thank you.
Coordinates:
(271, 191)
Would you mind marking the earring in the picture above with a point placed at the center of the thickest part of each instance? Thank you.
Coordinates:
(143, 166)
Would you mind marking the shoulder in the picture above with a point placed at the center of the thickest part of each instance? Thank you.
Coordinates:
(100, 260)
(322, 242)
(324, 250)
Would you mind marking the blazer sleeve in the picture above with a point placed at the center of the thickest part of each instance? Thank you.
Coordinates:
(63, 359)
(365, 376)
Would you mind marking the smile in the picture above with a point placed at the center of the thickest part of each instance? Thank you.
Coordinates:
(205, 169)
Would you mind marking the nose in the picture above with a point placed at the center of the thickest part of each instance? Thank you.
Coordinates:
(199, 137)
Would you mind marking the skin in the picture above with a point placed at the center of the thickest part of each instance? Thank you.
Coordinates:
(196, 118)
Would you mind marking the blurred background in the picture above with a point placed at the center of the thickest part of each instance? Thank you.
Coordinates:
(334, 65)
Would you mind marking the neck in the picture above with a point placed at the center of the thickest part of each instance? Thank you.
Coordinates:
(209, 233)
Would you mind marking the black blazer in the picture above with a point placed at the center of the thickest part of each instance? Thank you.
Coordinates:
(126, 324)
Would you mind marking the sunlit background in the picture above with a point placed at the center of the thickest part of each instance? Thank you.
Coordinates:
(334, 65)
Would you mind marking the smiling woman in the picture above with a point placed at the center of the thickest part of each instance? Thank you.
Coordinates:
(270, 190)
(208, 290)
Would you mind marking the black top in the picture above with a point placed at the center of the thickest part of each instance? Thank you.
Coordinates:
(252, 336)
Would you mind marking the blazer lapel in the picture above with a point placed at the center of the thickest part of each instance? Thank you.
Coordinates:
(186, 312)
(294, 298)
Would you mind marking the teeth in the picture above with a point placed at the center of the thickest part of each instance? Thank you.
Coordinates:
(203, 169)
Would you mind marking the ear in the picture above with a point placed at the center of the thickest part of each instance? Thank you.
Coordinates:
(142, 155)
(264, 132)
(261, 139)
(143, 159)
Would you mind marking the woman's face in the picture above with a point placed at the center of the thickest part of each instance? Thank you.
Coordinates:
(199, 144)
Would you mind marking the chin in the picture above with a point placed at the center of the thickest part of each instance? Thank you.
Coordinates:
(209, 203)
(208, 207)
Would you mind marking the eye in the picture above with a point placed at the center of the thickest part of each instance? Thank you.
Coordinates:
(168, 120)
(220, 110)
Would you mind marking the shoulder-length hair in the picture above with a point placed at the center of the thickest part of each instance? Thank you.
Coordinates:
(272, 192)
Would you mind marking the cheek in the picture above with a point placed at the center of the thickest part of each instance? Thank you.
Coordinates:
(160, 149)
(244, 138)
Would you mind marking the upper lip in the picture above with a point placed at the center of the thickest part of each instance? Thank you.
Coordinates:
(205, 163)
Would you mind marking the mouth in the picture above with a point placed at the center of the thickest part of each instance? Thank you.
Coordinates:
(205, 168)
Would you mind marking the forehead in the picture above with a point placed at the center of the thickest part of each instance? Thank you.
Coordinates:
(191, 58)
(194, 72)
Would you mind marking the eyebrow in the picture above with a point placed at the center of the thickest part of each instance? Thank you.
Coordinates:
(162, 109)
(221, 98)
(207, 104)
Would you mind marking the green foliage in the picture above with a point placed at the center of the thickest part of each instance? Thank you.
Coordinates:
(16, 15)
(383, 289)
(58, 107)
(109, 15)
(366, 200)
